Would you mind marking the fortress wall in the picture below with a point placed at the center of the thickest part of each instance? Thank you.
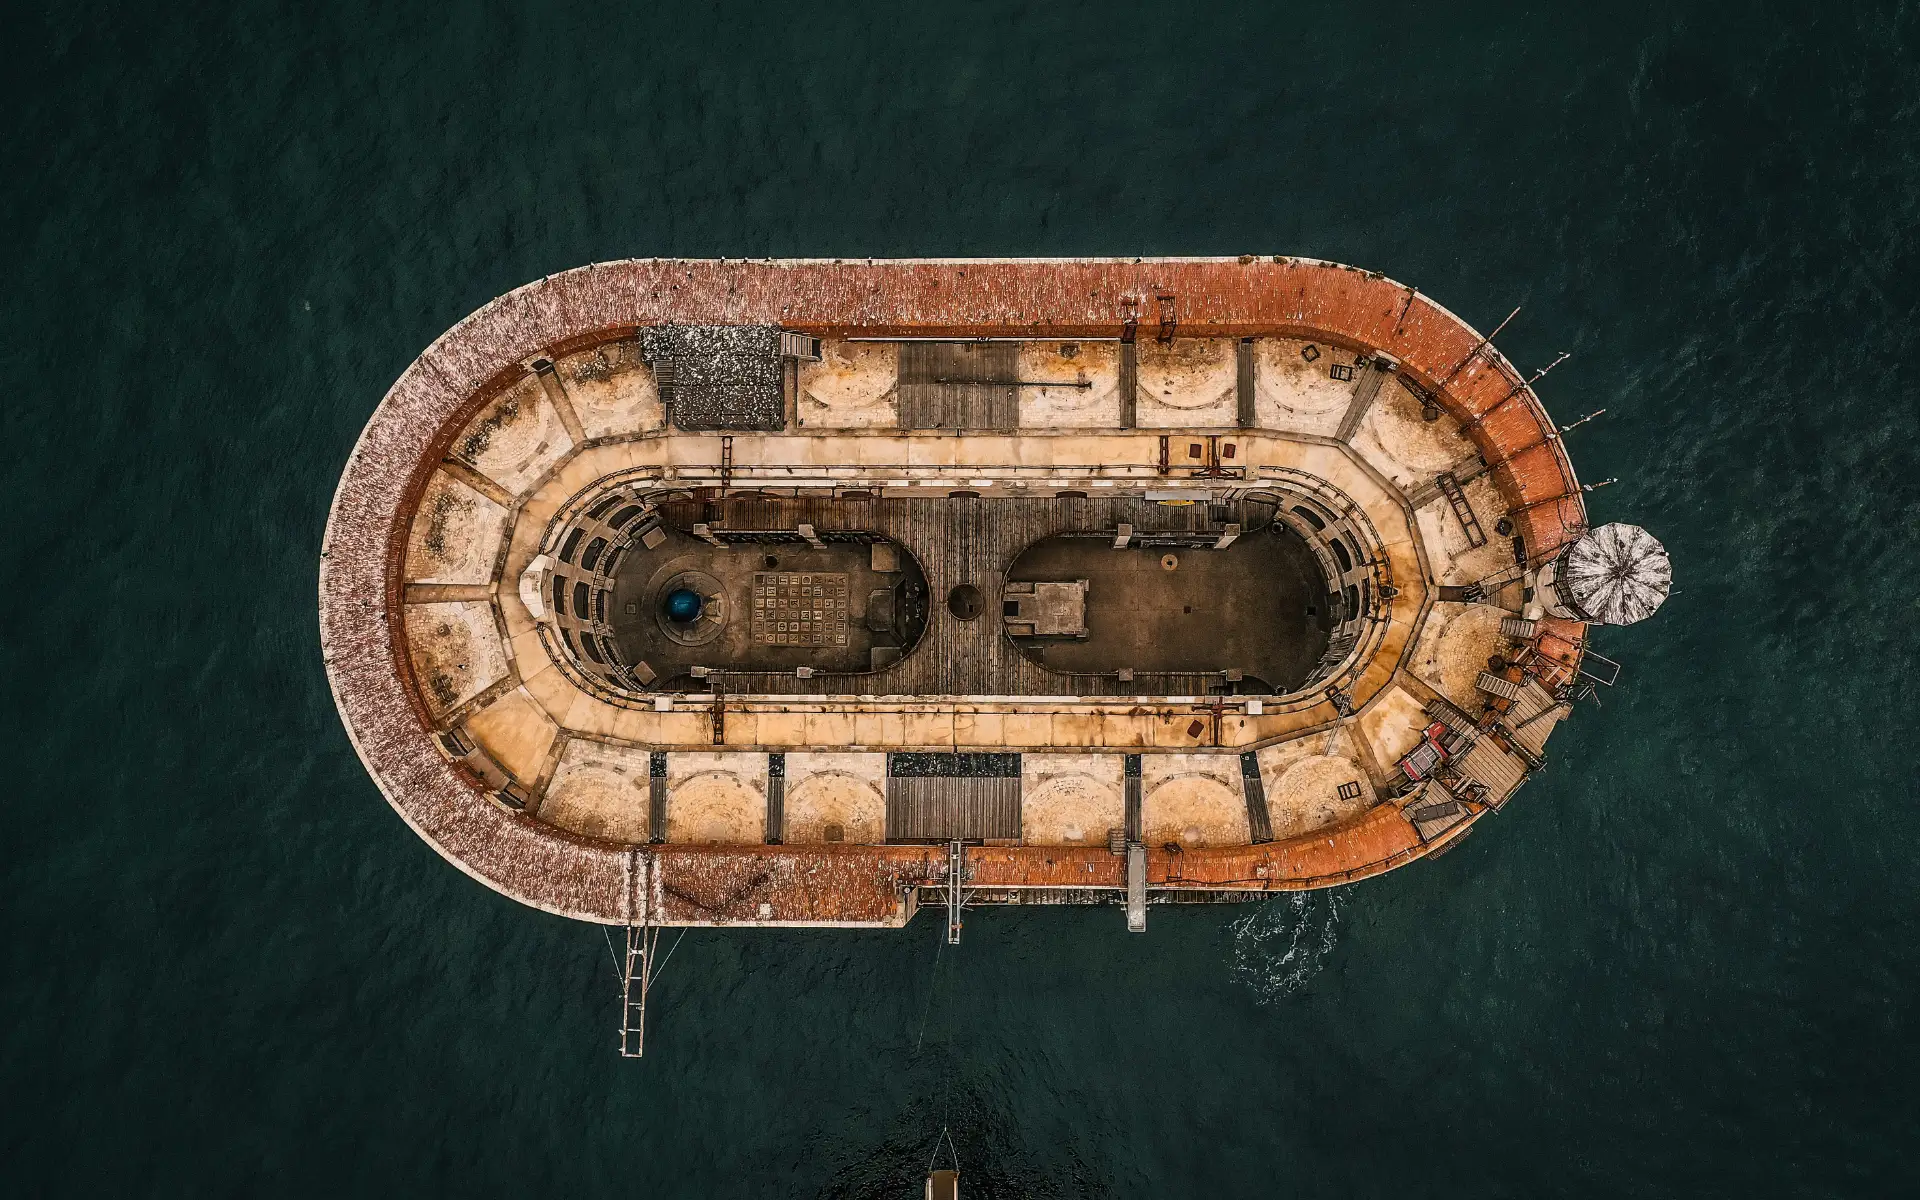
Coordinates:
(363, 569)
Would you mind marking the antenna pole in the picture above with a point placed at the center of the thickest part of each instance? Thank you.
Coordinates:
(1537, 375)
(1484, 343)
(1582, 421)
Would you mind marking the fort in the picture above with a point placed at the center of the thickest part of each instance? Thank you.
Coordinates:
(799, 593)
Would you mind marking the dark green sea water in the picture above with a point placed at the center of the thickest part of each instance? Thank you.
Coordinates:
(1683, 962)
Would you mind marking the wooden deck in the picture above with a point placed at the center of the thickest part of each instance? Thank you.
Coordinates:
(940, 809)
(959, 385)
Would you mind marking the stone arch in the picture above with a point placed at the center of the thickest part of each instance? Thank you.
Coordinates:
(1193, 809)
(716, 807)
(835, 798)
(1071, 809)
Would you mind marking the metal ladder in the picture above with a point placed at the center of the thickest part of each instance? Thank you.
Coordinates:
(642, 941)
(956, 867)
(1450, 488)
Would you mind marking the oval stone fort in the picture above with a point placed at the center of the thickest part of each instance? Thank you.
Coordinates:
(667, 593)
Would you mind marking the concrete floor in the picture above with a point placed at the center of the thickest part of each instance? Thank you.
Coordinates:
(1243, 608)
(636, 599)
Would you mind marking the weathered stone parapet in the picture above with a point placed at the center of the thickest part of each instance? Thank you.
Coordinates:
(393, 464)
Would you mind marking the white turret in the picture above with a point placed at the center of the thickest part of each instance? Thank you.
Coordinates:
(1614, 575)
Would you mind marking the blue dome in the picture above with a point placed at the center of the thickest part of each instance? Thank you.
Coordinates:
(684, 605)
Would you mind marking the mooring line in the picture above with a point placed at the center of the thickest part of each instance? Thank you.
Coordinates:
(670, 950)
(947, 1138)
(614, 955)
(933, 985)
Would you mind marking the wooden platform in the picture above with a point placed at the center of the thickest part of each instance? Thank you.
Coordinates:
(938, 810)
(959, 385)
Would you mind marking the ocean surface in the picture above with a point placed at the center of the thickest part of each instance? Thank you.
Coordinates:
(1683, 962)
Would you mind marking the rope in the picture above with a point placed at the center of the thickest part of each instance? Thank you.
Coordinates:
(933, 984)
(618, 973)
(954, 1150)
(670, 950)
(919, 1043)
(946, 1102)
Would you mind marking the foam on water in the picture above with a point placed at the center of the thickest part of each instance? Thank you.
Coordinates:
(1280, 945)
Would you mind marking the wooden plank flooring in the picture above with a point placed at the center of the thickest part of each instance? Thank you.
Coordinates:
(959, 385)
(943, 808)
(1255, 791)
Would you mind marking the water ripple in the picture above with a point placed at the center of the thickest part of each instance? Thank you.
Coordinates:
(1282, 944)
